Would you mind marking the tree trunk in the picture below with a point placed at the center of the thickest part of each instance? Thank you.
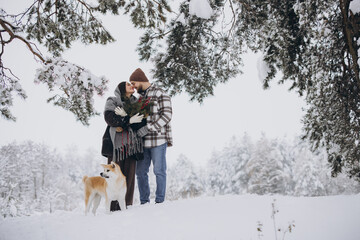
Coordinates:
(349, 25)
(35, 193)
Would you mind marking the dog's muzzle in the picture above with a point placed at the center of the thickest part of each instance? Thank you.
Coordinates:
(103, 175)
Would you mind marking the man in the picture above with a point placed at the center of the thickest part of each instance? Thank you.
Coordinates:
(157, 140)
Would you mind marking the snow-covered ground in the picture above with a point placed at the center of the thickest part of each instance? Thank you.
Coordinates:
(221, 217)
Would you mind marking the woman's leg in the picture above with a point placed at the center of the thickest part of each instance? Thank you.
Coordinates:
(129, 171)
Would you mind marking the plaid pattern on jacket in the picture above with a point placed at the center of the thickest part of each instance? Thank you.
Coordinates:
(160, 117)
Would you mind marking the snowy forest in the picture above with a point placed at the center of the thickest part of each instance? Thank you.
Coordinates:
(193, 46)
(37, 178)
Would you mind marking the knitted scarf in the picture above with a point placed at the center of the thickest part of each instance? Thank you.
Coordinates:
(127, 142)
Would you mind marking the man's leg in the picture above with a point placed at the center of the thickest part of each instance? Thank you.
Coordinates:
(158, 155)
(142, 170)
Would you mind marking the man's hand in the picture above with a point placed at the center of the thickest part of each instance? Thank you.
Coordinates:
(136, 118)
(120, 111)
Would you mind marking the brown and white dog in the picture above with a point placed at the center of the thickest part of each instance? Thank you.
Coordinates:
(110, 186)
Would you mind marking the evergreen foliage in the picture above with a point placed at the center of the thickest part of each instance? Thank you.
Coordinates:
(190, 184)
(273, 166)
(76, 84)
(56, 25)
(194, 60)
(313, 44)
(266, 169)
(307, 172)
(36, 178)
(141, 106)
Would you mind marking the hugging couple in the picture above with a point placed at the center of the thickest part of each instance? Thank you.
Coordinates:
(133, 140)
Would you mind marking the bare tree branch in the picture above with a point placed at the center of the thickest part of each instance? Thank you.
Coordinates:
(7, 27)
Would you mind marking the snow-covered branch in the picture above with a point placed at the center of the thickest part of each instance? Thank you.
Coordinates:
(76, 84)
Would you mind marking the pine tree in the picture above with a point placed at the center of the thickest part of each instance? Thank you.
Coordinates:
(34, 177)
(312, 175)
(183, 179)
(286, 152)
(228, 161)
(56, 25)
(215, 174)
(266, 169)
(236, 155)
(308, 171)
(314, 44)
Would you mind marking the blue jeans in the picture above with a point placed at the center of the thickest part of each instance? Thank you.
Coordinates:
(158, 156)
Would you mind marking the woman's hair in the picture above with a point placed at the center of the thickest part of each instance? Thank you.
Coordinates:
(122, 88)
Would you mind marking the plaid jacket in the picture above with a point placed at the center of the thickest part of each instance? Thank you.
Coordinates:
(160, 117)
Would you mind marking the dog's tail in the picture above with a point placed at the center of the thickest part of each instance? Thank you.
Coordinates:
(84, 179)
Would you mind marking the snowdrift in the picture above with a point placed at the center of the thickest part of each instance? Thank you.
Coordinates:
(220, 217)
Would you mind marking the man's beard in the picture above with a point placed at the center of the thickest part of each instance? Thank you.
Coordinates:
(140, 89)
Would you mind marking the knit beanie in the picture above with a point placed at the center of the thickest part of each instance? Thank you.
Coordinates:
(138, 76)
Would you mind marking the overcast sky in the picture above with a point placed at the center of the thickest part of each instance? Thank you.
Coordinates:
(239, 106)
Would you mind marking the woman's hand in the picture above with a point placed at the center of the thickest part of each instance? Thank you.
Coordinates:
(120, 111)
(136, 118)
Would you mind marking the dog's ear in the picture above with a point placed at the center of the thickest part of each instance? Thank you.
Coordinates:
(103, 165)
(112, 164)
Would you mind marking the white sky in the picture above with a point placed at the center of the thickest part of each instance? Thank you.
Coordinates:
(239, 106)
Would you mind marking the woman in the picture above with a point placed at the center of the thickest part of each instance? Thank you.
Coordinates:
(121, 143)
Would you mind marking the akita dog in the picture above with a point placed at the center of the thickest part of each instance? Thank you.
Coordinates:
(111, 186)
